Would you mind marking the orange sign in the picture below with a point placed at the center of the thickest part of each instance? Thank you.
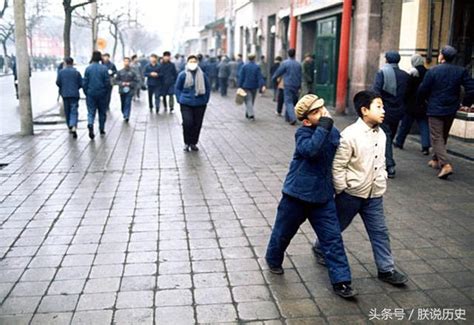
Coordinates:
(101, 43)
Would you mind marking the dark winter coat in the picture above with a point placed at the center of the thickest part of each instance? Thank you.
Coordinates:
(96, 80)
(127, 75)
(251, 76)
(69, 81)
(152, 81)
(394, 105)
(187, 96)
(310, 175)
(442, 88)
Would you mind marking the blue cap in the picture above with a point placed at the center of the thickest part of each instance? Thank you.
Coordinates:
(392, 57)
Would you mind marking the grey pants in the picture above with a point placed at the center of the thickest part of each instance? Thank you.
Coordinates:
(439, 132)
(249, 102)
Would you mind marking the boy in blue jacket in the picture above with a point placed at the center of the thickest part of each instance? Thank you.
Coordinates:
(308, 193)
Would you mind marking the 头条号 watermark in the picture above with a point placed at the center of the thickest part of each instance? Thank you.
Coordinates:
(419, 314)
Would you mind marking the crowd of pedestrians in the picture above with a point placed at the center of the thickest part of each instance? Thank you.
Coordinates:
(333, 176)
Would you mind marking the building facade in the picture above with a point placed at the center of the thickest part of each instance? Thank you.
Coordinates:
(262, 27)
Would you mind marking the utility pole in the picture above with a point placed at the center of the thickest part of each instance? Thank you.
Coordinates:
(95, 25)
(23, 68)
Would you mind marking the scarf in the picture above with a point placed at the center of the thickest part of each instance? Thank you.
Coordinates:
(389, 78)
(197, 80)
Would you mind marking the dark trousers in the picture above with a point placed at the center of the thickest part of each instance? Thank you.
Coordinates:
(223, 86)
(439, 131)
(109, 97)
(280, 100)
(290, 98)
(153, 92)
(405, 127)
(169, 91)
(214, 83)
(96, 104)
(323, 218)
(372, 214)
(71, 106)
(192, 122)
(126, 101)
(390, 129)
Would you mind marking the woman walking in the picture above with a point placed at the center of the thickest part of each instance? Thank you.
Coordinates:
(192, 92)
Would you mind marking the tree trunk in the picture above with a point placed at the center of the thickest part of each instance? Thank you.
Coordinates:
(95, 25)
(122, 41)
(23, 68)
(30, 44)
(67, 32)
(115, 36)
(5, 55)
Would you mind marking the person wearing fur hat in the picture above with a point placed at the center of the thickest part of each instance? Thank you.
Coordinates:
(441, 88)
(391, 83)
(308, 193)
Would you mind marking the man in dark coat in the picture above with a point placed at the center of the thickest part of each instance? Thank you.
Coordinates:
(96, 83)
(69, 81)
(112, 70)
(391, 83)
(290, 70)
(167, 79)
(212, 72)
(153, 82)
(223, 75)
(127, 80)
(441, 88)
(308, 74)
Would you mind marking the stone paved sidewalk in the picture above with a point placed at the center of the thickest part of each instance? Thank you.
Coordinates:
(129, 229)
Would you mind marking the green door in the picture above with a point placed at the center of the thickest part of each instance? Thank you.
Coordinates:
(326, 55)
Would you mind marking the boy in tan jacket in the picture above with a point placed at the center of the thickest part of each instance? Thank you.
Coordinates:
(360, 180)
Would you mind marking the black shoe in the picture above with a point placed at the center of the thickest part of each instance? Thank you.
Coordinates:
(393, 277)
(171, 110)
(102, 132)
(252, 118)
(344, 290)
(246, 115)
(91, 132)
(126, 120)
(186, 148)
(194, 147)
(425, 151)
(276, 270)
(319, 256)
(397, 145)
(74, 134)
(293, 123)
(391, 172)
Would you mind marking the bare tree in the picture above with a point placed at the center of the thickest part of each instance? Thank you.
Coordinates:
(6, 34)
(23, 68)
(142, 41)
(34, 15)
(116, 23)
(68, 10)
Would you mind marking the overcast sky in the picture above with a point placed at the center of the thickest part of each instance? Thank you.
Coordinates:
(157, 16)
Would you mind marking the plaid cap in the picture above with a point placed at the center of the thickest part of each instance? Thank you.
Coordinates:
(307, 104)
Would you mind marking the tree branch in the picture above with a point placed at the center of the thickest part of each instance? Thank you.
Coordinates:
(82, 4)
(5, 6)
